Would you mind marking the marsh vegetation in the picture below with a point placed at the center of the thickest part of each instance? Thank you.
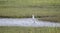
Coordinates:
(17, 29)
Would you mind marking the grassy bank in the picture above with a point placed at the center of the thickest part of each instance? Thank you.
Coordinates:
(27, 12)
(51, 19)
(29, 29)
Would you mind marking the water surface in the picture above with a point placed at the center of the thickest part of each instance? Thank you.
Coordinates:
(26, 22)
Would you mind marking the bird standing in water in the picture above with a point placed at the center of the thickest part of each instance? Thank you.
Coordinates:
(33, 17)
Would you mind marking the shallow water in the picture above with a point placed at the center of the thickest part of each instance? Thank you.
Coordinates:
(26, 22)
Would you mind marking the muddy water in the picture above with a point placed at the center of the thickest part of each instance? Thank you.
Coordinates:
(26, 22)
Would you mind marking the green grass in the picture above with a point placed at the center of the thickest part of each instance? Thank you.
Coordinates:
(30, 2)
(25, 12)
(6, 29)
(25, 8)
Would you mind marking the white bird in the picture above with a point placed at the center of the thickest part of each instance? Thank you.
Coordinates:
(33, 17)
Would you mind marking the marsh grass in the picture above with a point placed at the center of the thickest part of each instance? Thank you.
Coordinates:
(6, 29)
